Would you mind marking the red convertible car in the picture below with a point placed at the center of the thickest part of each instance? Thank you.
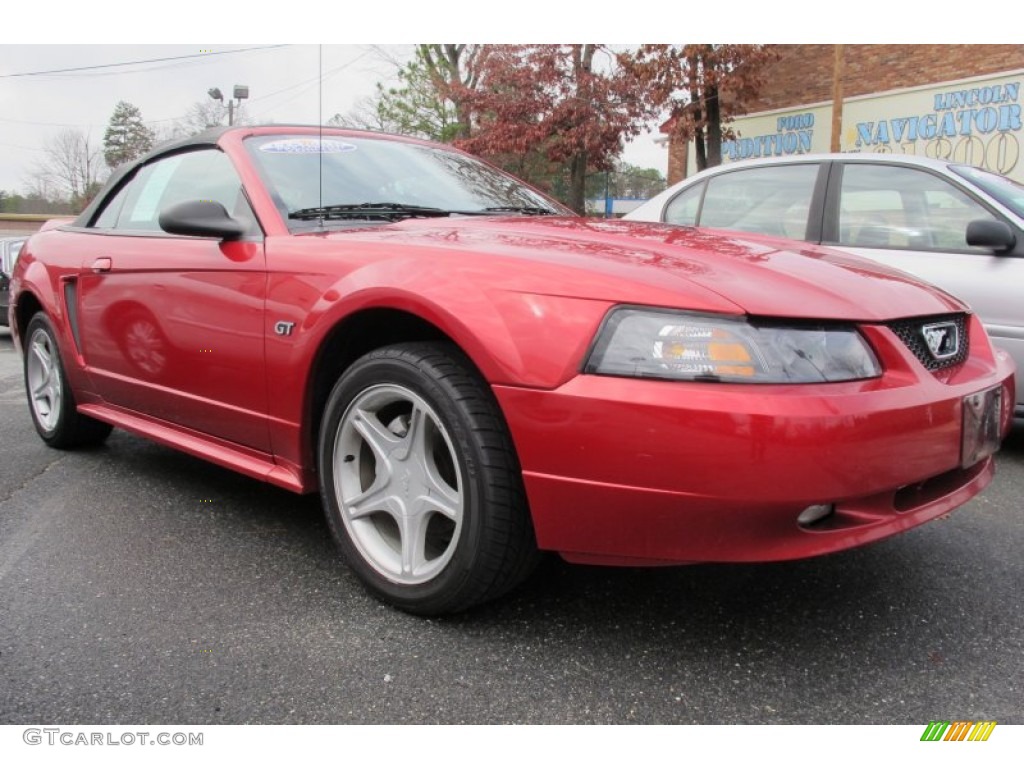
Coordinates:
(470, 375)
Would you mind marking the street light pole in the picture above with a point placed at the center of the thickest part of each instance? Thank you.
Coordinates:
(240, 92)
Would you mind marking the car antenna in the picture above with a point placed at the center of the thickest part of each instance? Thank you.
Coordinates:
(320, 125)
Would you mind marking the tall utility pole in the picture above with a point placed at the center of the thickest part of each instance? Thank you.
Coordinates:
(241, 92)
(838, 67)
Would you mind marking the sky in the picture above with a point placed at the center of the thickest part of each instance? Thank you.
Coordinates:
(282, 84)
(355, 40)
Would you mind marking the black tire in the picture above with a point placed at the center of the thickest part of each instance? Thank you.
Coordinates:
(420, 483)
(50, 398)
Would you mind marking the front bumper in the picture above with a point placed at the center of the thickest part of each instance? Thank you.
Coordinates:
(627, 471)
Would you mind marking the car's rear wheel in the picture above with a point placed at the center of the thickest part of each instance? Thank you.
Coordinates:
(50, 398)
(421, 486)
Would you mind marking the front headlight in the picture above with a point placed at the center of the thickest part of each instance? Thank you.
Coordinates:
(652, 343)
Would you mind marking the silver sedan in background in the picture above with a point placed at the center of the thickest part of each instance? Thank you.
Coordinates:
(954, 225)
(10, 247)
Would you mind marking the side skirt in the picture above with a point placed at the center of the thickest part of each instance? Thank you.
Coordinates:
(246, 461)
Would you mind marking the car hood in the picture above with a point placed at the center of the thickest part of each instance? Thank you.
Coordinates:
(658, 264)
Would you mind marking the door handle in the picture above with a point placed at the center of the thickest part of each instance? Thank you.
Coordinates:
(102, 264)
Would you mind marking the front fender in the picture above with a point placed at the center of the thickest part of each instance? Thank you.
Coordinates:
(514, 333)
(514, 338)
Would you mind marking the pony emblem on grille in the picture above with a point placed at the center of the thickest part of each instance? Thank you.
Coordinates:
(943, 339)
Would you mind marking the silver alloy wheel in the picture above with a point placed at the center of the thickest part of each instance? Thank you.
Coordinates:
(44, 380)
(398, 484)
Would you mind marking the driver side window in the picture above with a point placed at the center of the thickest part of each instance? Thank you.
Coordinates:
(205, 174)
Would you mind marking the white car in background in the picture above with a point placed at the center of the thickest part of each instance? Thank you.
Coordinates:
(954, 225)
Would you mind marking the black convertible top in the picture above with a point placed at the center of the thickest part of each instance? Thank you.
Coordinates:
(207, 138)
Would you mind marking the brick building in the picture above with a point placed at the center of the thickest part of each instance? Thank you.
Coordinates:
(956, 101)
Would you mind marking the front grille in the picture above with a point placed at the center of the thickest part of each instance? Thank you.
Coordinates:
(911, 333)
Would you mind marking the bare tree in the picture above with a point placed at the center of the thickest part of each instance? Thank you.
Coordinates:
(427, 96)
(206, 114)
(38, 185)
(72, 166)
(365, 115)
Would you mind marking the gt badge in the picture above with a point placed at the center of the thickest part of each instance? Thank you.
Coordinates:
(281, 328)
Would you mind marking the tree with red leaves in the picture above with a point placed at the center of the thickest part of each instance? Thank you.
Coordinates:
(702, 86)
(552, 103)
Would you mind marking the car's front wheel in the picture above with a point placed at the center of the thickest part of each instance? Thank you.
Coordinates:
(50, 398)
(420, 483)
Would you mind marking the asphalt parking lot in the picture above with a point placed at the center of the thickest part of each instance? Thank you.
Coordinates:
(139, 585)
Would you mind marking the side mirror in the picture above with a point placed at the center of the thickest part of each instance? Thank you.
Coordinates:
(201, 218)
(988, 233)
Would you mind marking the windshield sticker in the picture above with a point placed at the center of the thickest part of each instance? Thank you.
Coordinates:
(307, 146)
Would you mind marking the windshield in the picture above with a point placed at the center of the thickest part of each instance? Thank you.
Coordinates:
(369, 180)
(1006, 191)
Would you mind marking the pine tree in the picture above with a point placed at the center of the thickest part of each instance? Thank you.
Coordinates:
(127, 137)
